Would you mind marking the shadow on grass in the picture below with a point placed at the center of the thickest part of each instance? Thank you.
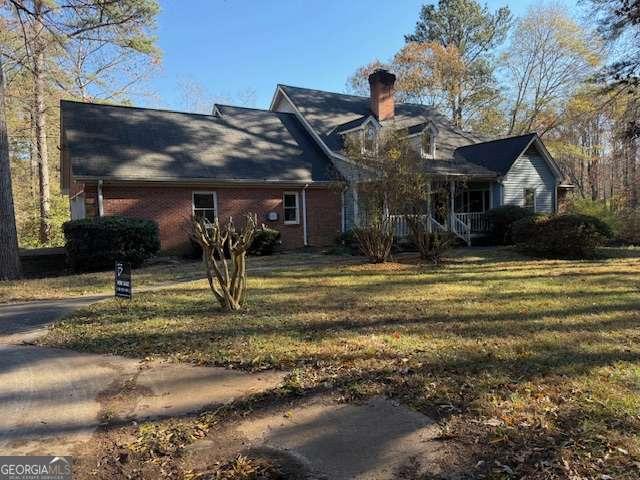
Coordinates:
(446, 341)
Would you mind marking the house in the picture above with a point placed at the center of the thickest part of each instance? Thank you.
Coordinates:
(286, 163)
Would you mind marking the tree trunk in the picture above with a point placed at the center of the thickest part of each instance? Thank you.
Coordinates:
(633, 173)
(457, 111)
(9, 258)
(33, 156)
(41, 129)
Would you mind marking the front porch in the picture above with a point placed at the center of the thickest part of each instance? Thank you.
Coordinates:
(465, 225)
(454, 206)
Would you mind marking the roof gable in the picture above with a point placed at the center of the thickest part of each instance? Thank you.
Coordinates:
(497, 155)
(327, 114)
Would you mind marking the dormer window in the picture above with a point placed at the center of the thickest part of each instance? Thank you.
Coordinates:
(369, 140)
(428, 142)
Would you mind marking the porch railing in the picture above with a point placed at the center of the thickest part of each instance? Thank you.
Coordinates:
(402, 226)
(462, 224)
(477, 221)
(461, 229)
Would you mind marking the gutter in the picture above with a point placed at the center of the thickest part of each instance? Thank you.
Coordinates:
(100, 199)
(343, 220)
(304, 215)
(210, 182)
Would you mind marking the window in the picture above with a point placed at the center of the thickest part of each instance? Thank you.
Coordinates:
(473, 201)
(291, 210)
(369, 141)
(530, 198)
(428, 142)
(205, 205)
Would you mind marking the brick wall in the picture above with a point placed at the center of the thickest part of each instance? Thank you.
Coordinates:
(171, 208)
(324, 216)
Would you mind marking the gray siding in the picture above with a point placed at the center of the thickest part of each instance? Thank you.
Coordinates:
(496, 194)
(530, 171)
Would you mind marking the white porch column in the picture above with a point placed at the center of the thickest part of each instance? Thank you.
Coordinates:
(452, 203)
(343, 211)
(429, 205)
(356, 213)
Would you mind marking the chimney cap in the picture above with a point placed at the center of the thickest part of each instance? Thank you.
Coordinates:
(383, 76)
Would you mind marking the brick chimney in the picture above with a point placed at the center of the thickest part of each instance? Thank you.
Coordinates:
(381, 83)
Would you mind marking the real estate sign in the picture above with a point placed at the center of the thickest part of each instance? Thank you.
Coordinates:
(123, 280)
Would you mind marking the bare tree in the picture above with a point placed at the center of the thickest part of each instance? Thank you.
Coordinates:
(549, 56)
(86, 40)
(393, 183)
(227, 277)
(9, 258)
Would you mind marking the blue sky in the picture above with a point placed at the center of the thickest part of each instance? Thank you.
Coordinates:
(231, 46)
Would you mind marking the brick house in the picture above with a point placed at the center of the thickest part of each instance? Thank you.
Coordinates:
(286, 163)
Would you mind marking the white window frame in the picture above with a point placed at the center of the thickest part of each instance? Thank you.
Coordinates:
(524, 197)
(432, 150)
(204, 192)
(364, 139)
(284, 208)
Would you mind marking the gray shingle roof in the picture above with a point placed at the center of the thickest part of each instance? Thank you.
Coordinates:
(106, 141)
(497, 155)
(329, 112)
(457, 167)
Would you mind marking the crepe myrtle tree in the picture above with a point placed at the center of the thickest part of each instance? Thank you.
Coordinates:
(224, 249)
(393, 181)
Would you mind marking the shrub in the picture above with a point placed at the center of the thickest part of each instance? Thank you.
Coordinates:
(595, 208)
(501, 220)
(564, 236)
(629, 226)
(96, 243)
(345, 244)
(265, 241)
(347, 239)
(376, 239)
(527, 227)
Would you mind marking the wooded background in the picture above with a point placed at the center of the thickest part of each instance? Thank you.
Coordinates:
(573, 81)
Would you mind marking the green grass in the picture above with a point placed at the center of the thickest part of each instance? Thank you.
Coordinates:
(534, 364)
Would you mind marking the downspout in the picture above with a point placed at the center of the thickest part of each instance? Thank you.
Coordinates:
(100, 200)
(429, 206)
(452, 203)
(304, 215)
(356, 210)
(343, 220)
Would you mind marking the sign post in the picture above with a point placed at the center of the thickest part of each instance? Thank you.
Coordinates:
(123, 280)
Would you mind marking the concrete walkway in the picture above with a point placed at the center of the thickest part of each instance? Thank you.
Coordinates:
(52, 400)
(321, 439)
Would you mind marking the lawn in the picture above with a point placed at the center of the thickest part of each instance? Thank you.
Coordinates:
(532, 366)
(159, 272)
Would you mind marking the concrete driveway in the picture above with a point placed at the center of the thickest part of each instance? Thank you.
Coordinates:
(25, 322)
(52, 400)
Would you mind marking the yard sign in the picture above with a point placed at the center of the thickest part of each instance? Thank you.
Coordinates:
(123, 280)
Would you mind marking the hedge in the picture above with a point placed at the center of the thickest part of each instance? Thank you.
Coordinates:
(560, 236)
(96, 243)
(264, 242)
(501, 220)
